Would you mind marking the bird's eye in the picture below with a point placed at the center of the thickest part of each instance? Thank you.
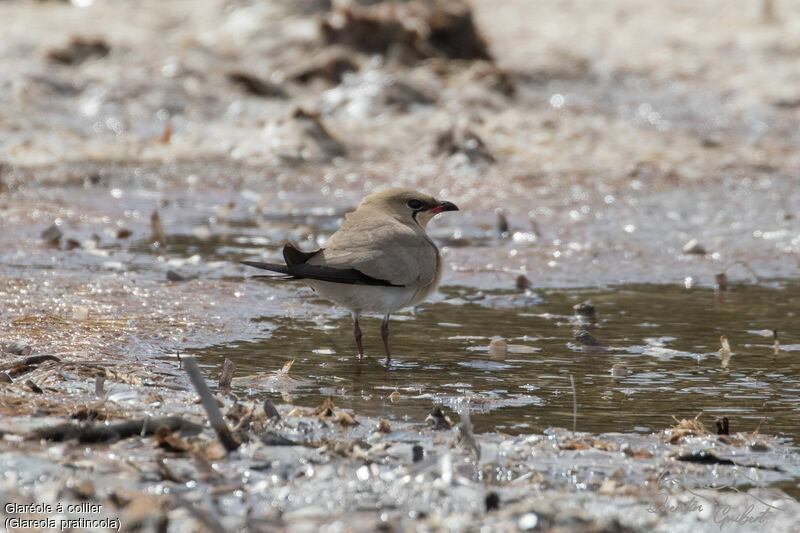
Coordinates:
(415, 204)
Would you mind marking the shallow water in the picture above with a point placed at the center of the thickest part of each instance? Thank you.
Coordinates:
(667, 336)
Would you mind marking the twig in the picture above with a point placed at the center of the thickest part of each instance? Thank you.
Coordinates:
(574, 404)
(747, 267)
(99, 381)
(27, 364)
(158, 237)
(113, 432)
(210, 405)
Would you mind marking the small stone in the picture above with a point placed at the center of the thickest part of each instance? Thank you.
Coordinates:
(52, 235)
(523, 283)
(723, 426)
(417, 453)
(363, 473)
(79, 50)
(123, 233)
(174, 276)
(492, 501)
(502, 225)
(271, 411)
(619, 370)
(438, 419)
(587, 339)
(528, 521)
(585, 309)
(498, 349)
(17, 348)
(80, 313)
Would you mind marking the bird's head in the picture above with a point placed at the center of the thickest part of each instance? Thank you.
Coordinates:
(408, 205)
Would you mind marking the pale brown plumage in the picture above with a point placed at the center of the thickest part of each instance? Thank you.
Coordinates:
(379, 261)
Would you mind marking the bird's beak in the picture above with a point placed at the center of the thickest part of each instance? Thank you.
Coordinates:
(443, 206)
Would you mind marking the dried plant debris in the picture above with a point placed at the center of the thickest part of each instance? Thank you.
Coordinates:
(166, 134)
(33, 386)
(488, 74)
(462, 140)
(256, 86)
(326, 408)
(78, 50)
(343, 418)
(225, 377)
(465, 435)
(373, 93)
(686, 428)
(330, 66)
(409, 30)
(694, 247)
(167, 439)
(16, 348)
(22, 366)
(303, 137)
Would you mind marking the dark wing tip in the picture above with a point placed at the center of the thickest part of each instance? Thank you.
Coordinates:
(349, 276)
(274, 267)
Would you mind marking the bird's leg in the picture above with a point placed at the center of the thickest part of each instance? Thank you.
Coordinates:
(385, 337)
(357, 335)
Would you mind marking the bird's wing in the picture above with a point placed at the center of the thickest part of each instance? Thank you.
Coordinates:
(382, 248)
(320, 272)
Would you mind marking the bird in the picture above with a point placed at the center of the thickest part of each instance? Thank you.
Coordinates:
(379, 261)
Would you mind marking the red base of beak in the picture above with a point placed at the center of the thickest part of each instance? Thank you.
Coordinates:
(444, 206)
